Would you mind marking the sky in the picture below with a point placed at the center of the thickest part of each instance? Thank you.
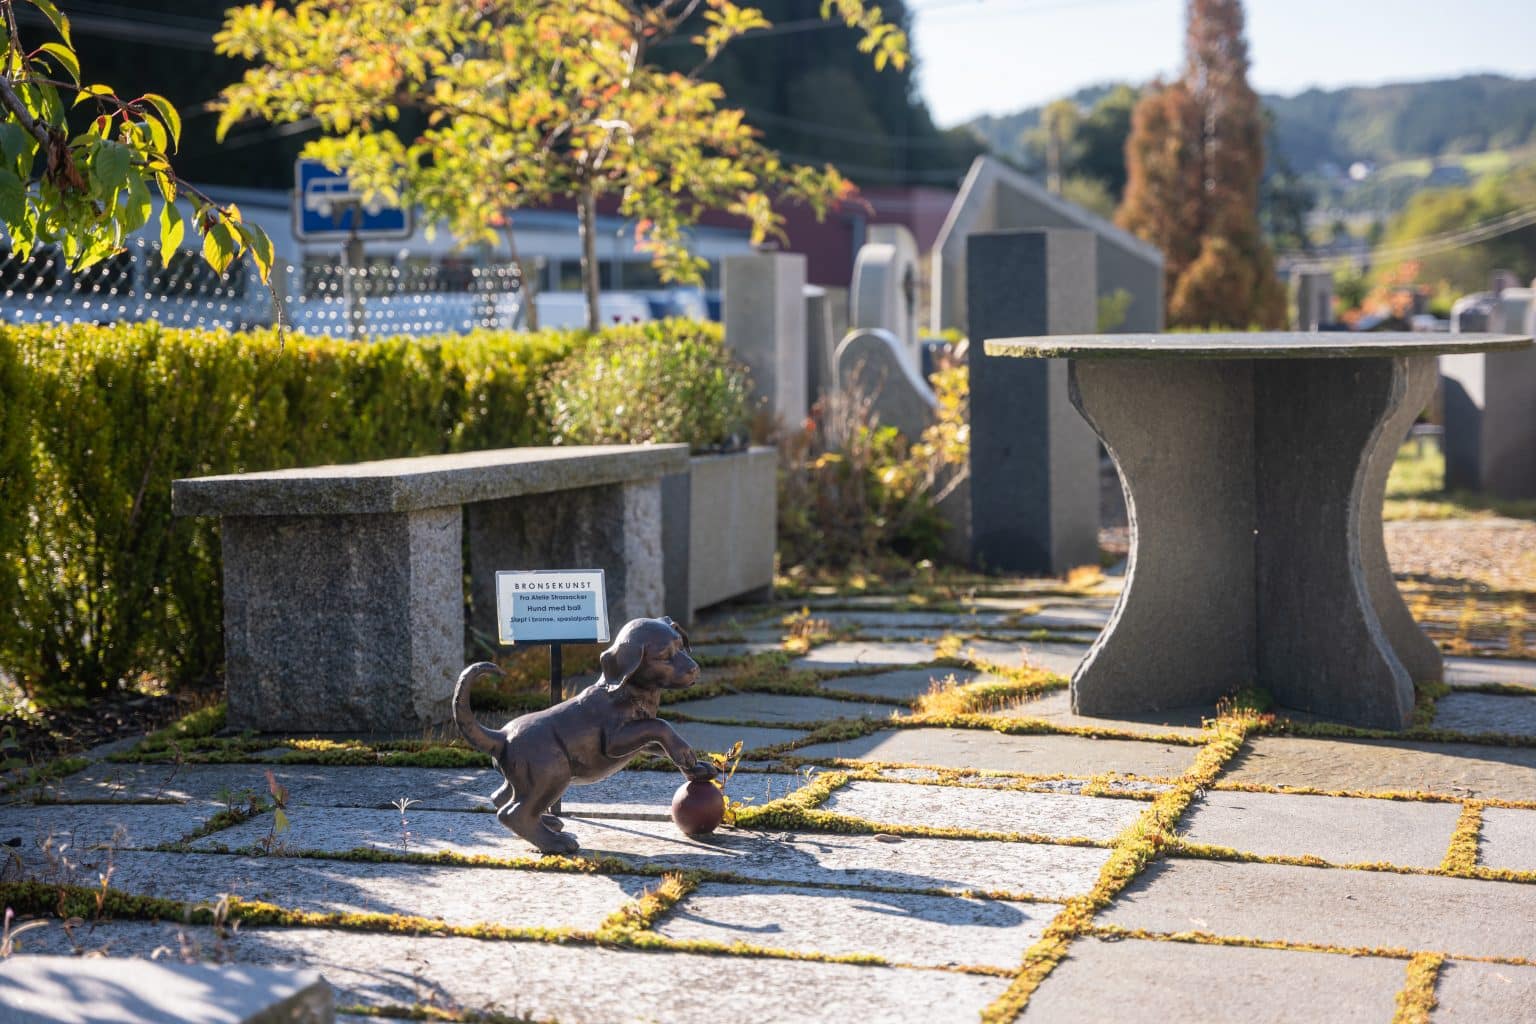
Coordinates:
(998, 56)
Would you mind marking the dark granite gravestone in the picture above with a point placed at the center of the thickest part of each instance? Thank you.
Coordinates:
(1034, 462)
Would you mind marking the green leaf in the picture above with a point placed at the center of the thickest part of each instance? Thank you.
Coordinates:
(66, 58)
(18, 147)
(13, 200)
(167, 114)
(136, 204)
(260, 246)
(110, 165)
(60, 22)
(220, 246)
(172, 230)
(153, 133)
(93, 90)
(279, 822)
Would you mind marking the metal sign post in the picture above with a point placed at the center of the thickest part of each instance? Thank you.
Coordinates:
(326, 208)
(552, 607)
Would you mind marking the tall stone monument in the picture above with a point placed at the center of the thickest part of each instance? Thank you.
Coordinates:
(1034, 461)
(884, 293)
(763, 307)
(1314, 299)
(1490, 401)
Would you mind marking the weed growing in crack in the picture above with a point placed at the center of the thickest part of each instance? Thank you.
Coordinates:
(9, 934)
(269, 843)
(402, 805)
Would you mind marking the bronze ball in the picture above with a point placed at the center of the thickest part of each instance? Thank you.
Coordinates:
(698, 807)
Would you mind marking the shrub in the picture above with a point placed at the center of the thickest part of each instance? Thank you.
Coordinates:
(99, 581)
(853, 491)
(671, 381)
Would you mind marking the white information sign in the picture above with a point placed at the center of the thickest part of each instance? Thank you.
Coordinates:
(551, 606)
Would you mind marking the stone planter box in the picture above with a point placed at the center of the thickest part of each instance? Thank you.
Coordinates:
(719, 527)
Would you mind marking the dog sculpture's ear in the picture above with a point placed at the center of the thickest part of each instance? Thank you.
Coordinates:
(622, 660)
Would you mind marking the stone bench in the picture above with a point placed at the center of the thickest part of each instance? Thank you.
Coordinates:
(344, 585)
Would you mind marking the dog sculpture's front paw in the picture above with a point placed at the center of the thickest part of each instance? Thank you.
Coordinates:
(558, 842)
(551, 822)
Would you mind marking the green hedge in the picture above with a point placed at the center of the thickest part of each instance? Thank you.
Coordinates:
(97, 580)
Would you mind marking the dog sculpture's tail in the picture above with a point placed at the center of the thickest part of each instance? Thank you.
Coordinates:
(478, 735)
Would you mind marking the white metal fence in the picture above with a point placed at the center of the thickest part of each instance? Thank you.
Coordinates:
(383, 297)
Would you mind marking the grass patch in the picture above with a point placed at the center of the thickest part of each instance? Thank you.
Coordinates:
(58, 768)
(949, 697)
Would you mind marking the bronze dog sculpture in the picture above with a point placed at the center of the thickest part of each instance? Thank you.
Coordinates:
(590, 736)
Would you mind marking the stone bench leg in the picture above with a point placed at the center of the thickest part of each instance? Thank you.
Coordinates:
(613, 527)
(343, 623)
(1254, 491)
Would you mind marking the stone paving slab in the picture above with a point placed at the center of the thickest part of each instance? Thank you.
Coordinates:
(1055, 706)
(1338, 829)
(582, 984)
(1183, 981)
(1487, 712)
(847, 654)
(85, 827)
(1508, 840)
(1082, 616)
(949, 864)
(905, 684)
(720, 738)
(985, 810)
(1460, 671)
(1451, 769)
(627, 794)
(76, 990)
(957, 622)
(1043, 754)
(330, 785)
(735, 650)
(769, 707)
(926, 931)
(458, 895)
(1051, 655)
(1473, 993)
(1331, 906)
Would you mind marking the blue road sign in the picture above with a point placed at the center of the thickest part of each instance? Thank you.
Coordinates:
(325, 207)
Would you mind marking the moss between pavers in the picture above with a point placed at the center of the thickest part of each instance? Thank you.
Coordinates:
(58, 768)
(1416, 734)
(394, 1011)
(1416, 1000)
(1461, 857)
(1141, 843)
(1415, 795)
(629, 927)
(1112, 931)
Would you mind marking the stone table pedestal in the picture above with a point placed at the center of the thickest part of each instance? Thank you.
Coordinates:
(1254, 467)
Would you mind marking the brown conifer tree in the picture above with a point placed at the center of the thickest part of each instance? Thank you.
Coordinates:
(1194, 161)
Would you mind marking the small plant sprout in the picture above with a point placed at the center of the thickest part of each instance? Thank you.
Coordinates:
(9, 934)
(402, 805)
(725, 769)
(269, 842)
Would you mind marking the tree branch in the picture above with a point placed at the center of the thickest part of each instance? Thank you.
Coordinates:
(37, 129)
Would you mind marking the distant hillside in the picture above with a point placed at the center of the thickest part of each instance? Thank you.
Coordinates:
(1379, 124)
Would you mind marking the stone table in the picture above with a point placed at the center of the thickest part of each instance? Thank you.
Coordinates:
(1254, 467)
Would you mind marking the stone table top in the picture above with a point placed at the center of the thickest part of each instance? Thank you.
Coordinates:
(1251, 345)
(428, 481)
